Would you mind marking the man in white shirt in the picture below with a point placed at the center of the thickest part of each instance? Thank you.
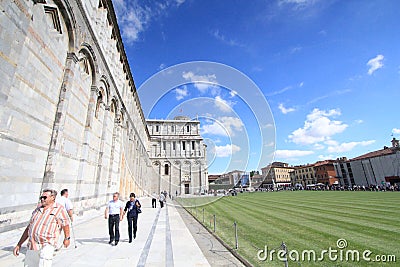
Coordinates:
(114, 213)
(66, 203)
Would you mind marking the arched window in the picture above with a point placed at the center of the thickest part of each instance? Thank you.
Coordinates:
(166, 169)
(98, 103)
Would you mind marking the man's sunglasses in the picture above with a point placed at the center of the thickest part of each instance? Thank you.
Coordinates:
(43, 197)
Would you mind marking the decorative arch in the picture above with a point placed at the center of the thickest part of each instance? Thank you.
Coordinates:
(68, 17)
(106, 93)
(98, 104)
(114, 108)
(88, 59)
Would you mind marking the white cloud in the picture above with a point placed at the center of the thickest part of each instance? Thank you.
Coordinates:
(284, 154)
(266, 126)
(279, 91)
(285, 110)
(334, 93)
(324, 157)
(359, 121)
(201, 82)
(225, 40)
(297, 4)
(180, 2)
(181, 92)
(295, 49)
(396, 131)
(375, 64)
(223, 105)
(335, 147)
(223, 126)
(226, 151)
(135, 16)
(318, 127)
(270, 144)
(318, 146)
(214, 129)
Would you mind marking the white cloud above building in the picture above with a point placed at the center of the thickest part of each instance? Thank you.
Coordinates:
(375, 64)
(318, 127)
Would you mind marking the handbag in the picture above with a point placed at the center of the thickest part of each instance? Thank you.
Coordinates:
(139, 210)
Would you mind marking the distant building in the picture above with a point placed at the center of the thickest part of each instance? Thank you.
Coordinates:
(178, 153)
(325, 172)
(256, 180)
(344, 173)
(378, 167)
(277, 174)
(213, 177)
(303, 175)
(230, 178)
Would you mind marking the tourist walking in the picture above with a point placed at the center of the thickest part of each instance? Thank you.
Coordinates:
(66, 202)
(43, 231)
(161, 199)
(154, 200)
(132, 209)
(114, 213)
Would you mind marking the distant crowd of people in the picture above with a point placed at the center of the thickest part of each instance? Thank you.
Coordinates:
(391, 188)
(376, 188)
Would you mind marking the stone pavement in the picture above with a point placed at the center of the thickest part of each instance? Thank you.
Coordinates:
(165, 237)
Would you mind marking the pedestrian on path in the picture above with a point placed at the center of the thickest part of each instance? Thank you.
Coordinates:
(66, 202)
(43, 230)
(132, 209)
(114, 213)
(154, 200)
(161, 199)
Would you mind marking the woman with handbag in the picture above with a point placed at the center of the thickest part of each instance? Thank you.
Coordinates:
(132, 209)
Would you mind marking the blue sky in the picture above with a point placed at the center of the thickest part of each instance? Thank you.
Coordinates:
(329, 71)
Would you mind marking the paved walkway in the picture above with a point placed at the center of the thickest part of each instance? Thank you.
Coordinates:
(165, 237)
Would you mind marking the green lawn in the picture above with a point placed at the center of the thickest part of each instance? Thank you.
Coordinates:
(306, 220)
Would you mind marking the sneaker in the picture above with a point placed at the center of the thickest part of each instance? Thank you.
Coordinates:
(116, 242)
(110, 242)
(130, 240)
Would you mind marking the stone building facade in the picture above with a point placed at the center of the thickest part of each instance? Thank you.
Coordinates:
(277, 174)
(178, 153)
(325, 172)
(376, 168)
(303, 175)
(70, 116)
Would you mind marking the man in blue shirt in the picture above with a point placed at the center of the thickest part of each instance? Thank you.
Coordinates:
(114, 213)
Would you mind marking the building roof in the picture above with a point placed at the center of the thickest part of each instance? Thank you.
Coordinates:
(324, 162)
(378, 153)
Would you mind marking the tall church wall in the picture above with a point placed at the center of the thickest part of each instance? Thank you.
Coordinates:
(70, 115)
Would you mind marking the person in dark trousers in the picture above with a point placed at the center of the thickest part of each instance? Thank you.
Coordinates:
(114, 214)
(132, 209)
(154, 200)
(161, 199)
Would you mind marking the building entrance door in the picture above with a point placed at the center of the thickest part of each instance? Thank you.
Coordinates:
(186, 188)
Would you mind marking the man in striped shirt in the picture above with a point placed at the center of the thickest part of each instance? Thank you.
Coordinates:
(44, 229)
